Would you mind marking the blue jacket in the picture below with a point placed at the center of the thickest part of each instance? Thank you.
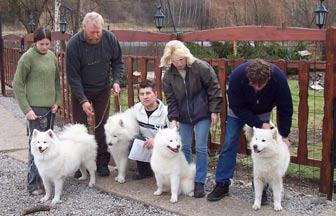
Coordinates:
(246, 104)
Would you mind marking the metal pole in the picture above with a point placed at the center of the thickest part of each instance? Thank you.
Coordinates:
(2, 72)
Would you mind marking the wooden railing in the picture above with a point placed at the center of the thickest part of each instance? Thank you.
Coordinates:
(243, 33)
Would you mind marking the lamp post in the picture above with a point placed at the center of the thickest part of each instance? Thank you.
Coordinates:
(31, 26)
(159, 18)
(320, 14)
(63, 25)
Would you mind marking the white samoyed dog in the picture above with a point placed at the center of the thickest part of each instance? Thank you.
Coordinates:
(170, 166)
(59, 157)
(271, 158)
(120, 129)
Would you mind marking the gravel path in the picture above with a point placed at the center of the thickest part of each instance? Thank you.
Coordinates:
(82, 200)
(78, 198)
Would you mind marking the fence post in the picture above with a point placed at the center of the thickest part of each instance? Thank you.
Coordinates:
(326, 171)
(2, 72)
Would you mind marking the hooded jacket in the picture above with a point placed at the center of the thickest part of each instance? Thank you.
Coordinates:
(195, 97)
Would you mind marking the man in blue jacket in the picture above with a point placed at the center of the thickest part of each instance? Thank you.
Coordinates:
(255, 88)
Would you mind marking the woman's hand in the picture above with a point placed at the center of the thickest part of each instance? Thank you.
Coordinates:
(54, 108)
(30, 115)
(214, 117)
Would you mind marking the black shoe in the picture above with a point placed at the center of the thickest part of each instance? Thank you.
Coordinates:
(264, 198)
(221, 190)
(141, 176)
(78, 174)
(199, 190)
(103, 171)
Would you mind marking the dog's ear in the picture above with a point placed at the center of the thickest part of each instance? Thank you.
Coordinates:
(121, 123)
(35, 132)
(274, 133)
(175, 128)
(51, 134)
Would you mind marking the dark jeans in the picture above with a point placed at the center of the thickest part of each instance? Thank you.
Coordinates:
(99, 101)
(33, 178)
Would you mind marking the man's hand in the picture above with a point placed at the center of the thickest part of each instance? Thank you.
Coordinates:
(173, 124)
(149, 143)
(54, 108)
(115, 89)
(30, 115)
(87, 108)
(286, 140)
(266, 126)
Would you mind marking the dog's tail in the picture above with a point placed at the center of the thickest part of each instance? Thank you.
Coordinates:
(248, 131)
(77, 133)
(193, 169)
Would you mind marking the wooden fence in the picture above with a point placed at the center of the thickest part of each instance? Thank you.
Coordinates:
(244, 33)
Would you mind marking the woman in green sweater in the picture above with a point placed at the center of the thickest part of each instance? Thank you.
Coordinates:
(37, 90)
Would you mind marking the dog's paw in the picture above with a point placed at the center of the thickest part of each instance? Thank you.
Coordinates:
(158, 192)
(119, 179)
(256, 206)
(173, 199)
(277, 207)
(44, 199)
(91, 184)
(82, 178)
(191, 194)
(55, 201)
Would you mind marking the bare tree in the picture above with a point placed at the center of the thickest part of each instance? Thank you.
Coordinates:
(27, 10)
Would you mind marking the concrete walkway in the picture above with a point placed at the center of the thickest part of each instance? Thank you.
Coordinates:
(13, 142)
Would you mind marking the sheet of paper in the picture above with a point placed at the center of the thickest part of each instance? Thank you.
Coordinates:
(139, 153)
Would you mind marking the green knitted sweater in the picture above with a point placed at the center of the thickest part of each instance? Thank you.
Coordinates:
(36, 81)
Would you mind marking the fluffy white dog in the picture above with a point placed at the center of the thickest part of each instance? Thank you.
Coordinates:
(170, 166)
(57, 158)
(120, 129)
(271, 158)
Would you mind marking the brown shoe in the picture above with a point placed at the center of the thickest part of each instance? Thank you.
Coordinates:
(38, 191)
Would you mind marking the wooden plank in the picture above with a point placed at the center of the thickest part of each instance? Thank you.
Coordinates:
(12, 38)
(130, 90)
(326, 177)
(222, 78)
(2, 70)
(308, 162)
(143, 68)
(256, 33)
(158, 77)
(142, 36)
(302, 150)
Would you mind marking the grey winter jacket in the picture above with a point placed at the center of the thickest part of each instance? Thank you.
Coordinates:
(194, 98)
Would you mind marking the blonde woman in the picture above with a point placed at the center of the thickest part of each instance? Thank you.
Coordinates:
(194, 101)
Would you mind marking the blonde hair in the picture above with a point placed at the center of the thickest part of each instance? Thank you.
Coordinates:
(94, 18)
(174, 50)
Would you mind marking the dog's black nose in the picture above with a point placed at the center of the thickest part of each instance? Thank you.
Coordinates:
(255, 147)
(40, 148)
(178, 146)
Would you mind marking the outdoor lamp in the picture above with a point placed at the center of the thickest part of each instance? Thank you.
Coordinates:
(159, 18)
(31, 26)
(63, 25)
(320, 14)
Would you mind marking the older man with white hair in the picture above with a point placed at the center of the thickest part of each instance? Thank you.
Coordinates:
(94, 67)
